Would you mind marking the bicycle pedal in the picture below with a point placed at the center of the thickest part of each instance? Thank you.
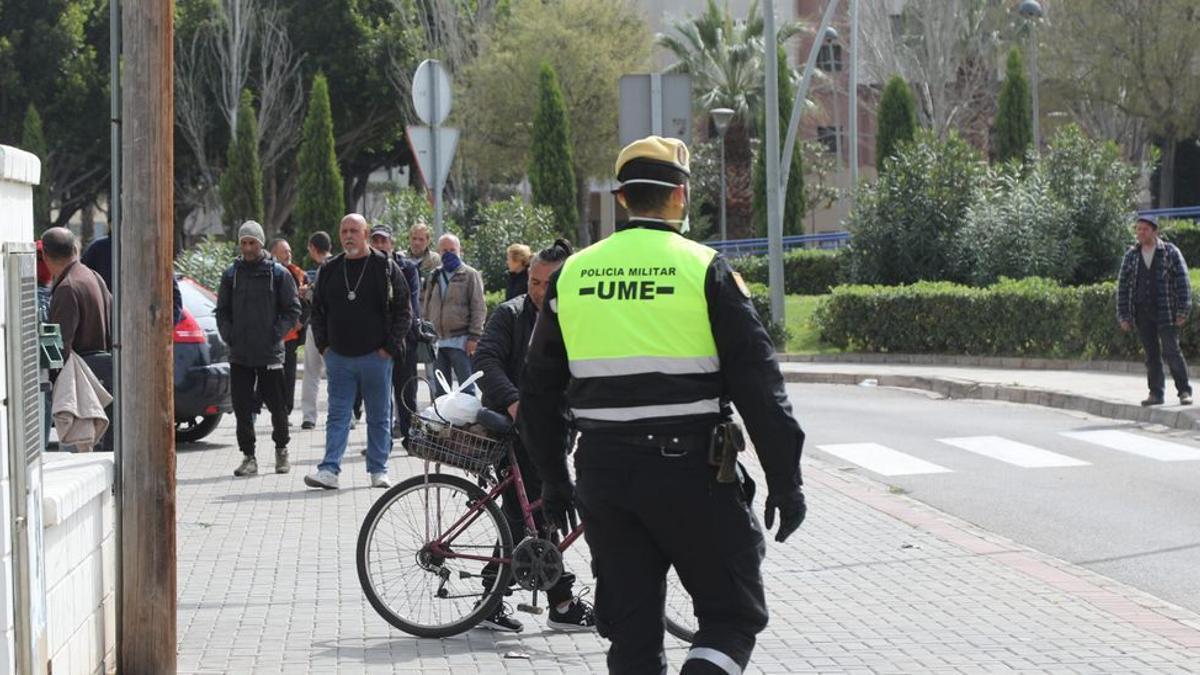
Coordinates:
(529, 609)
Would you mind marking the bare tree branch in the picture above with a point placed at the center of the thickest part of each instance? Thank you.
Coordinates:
(231, 49)
(946, 49)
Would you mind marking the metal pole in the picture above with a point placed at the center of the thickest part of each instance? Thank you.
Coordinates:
(114, 238)
(853, 98)
(148, 634)
(434, 183)
(1033, 64)
(789, 146)
(724, 235)
(774, 186)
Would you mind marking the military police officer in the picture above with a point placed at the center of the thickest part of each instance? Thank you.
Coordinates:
(647, 338)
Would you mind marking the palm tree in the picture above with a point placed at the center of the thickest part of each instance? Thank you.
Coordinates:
(724, 57)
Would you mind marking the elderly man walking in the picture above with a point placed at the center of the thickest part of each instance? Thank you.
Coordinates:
(257, 305)
(454, 302)
(1154, 294)
(360, 318)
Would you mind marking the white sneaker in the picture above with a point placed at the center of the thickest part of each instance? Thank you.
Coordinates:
(322, 479)
(380, 480)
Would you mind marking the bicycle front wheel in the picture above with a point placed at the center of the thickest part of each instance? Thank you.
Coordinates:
(431, 593)
(680, 617)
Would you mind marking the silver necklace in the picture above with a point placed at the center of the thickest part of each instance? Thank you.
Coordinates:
(352, 294)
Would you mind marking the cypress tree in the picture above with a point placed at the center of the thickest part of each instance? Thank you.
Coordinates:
(794, 206)
(241, 184)
(321, 203)
(551, 169)
(33, 140)
(897, 119)
(1014, 113)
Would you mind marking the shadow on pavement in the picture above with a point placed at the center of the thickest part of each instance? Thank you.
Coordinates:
(400, 650)
(301, 492)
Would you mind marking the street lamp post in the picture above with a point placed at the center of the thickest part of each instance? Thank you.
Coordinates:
(1032, 11)
(721, 118)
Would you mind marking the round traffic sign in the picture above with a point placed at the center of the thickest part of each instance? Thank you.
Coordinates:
(431, 92)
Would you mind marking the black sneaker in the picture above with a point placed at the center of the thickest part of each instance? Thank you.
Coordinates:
(308, 425)
(577, 618)
(502, 621)
(1153, 400)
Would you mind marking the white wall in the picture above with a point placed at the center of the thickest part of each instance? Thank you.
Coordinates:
(80, 563)
(19, 171)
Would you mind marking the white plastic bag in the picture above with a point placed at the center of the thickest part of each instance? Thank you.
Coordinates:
(457, 407)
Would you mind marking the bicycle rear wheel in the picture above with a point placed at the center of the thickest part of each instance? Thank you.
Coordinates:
(421, 593)
(679, 617)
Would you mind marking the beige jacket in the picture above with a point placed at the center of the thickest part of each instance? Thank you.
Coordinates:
(460, 309)
(78, 405)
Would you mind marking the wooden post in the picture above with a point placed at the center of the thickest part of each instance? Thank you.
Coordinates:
(147, 635)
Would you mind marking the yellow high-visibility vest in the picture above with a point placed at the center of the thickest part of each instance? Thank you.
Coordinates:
(635, 304)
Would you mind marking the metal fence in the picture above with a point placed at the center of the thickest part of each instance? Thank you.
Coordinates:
(832, 240)
(739, 247)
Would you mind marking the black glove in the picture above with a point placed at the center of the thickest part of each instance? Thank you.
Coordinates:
(558, 504)
(791, 509)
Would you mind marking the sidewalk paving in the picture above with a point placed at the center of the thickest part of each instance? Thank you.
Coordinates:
(873, 582)
(1114, 395)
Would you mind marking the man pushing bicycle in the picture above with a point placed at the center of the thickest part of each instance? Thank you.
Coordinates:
(648, 337)
(500, 355)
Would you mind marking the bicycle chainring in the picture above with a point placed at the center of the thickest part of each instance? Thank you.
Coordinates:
(537, 564)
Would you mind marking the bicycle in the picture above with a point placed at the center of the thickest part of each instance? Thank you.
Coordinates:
(432, 570)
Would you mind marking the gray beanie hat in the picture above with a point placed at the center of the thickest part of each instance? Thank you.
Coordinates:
(253, 230)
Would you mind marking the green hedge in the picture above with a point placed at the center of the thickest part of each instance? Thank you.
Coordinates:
(805, 271)
(761, 297)
(1031, 317)
(1186, 235)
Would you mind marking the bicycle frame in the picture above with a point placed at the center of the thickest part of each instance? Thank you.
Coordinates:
(441, 545)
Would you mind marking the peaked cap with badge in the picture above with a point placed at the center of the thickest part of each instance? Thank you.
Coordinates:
(654, 160)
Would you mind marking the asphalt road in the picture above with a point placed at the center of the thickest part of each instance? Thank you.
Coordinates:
(1104, 494)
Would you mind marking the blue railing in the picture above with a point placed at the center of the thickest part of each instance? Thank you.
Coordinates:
(1190, 212)
(738, 247)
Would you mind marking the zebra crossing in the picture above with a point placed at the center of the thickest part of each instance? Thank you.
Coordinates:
(886, 461)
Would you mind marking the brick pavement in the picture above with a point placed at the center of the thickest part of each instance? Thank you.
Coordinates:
(873, 583)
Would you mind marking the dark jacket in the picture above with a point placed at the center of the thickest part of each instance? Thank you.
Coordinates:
(412, 277)
(396, 308)
(518, 284)
(81, 304)
(1174, 286)
(501, 352)
(256, 306)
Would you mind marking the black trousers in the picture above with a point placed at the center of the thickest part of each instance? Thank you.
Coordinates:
(289, 373)
(645, 513)
(244, 381)
(510, 505)
(1161, 342)
(404, 384)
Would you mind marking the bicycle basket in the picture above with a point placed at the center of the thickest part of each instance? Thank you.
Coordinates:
(440, 442)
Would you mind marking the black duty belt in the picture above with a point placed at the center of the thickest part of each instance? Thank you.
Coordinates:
(668, 444)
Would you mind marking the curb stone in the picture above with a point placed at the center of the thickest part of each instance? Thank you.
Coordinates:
(1188, 420)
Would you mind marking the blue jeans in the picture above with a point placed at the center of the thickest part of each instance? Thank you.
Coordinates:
(451, 361)
(346, 375)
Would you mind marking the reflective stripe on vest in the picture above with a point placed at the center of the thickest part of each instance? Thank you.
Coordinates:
(711, 406)
(634, 365)
(635, 305)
